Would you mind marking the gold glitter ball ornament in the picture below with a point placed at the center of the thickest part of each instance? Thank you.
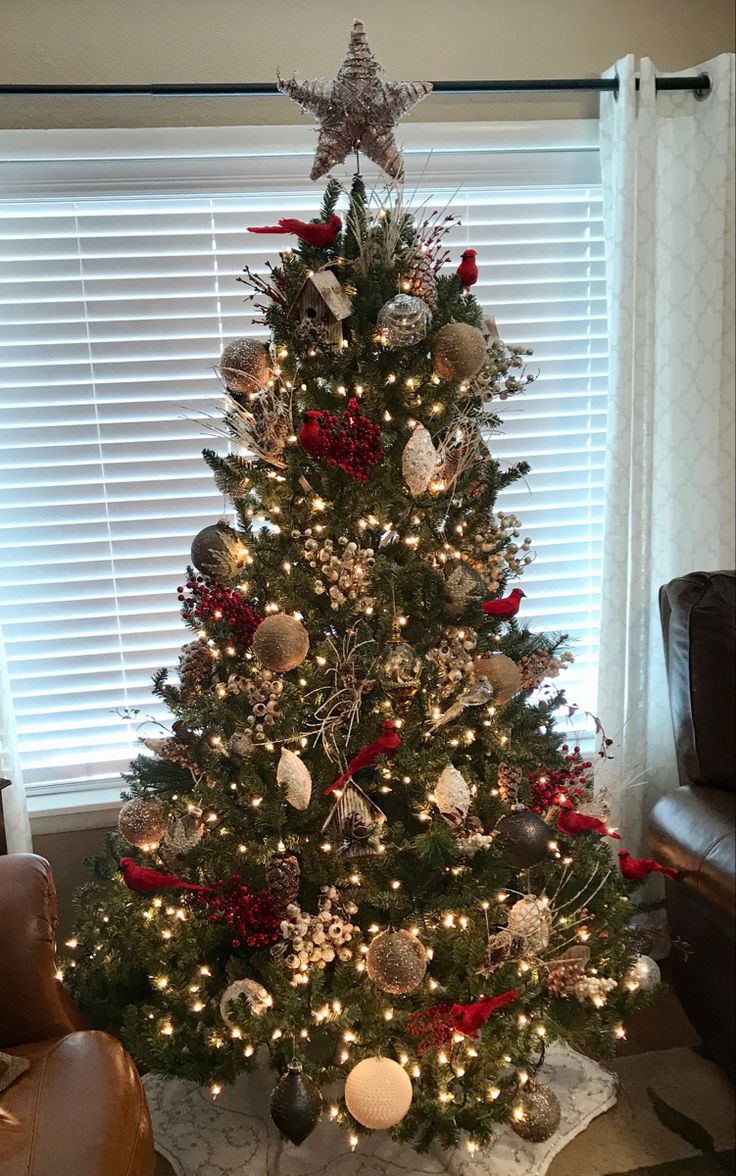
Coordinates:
(142, 822)
(535, 1114)
(245, 366)
(358, 110)
(396, 962)
(458, 351)
(281, 643)
(464, 586)
(503, 674)
(403, 321)
(378, 1093)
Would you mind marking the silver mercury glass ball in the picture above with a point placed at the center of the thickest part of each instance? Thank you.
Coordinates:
(142, 822)
(645, 973)
(404, 320)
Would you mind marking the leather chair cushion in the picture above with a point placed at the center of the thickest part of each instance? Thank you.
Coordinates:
(694, 830)
(33, 1003)
(79, 1110)
(699, 630)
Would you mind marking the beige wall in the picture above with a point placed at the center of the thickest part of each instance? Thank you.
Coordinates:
(246, 40)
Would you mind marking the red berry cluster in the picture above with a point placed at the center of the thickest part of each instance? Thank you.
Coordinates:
(350, 443)
(253, 918)
(206, 603)
(549, 788)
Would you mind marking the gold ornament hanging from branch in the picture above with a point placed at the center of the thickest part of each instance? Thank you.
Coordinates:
(358, 110)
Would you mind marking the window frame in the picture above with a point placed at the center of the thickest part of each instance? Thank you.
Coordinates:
(68, 164)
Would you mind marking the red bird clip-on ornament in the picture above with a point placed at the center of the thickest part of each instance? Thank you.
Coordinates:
(467, 271)
(318, 234)
(635, 869)
(506, 607)
(573, 823)
(388, 743)
(143, 880)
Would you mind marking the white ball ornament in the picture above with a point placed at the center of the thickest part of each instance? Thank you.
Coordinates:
(451, 793)
(293, 775)
(419, 461)
(645, 972)
(378, 1093)
(531, 918)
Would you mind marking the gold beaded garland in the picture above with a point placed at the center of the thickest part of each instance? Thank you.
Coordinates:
(396, 962)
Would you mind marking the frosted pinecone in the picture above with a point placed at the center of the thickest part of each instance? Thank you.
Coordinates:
(282, 880)
(194, 668)
(420, 280)
(509, 782)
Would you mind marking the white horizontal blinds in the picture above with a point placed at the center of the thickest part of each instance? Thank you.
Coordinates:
(113, 311)
(111, 324)
(541, 271)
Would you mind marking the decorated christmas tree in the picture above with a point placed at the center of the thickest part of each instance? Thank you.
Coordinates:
(364, 848)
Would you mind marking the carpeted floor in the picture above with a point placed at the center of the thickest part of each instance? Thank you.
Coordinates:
(658, 1063)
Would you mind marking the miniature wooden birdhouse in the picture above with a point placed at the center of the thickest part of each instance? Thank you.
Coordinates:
(322, 301)
(354, 823)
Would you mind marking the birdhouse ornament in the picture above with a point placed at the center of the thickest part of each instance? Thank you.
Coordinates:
(322, 302)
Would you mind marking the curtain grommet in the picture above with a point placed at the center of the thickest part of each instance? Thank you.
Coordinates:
(704, 87)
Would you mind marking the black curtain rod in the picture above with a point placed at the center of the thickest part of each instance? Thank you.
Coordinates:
(700, 84)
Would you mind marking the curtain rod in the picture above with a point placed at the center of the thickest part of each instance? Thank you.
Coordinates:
(700, 84)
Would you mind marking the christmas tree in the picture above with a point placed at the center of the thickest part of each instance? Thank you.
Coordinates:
(364, 849)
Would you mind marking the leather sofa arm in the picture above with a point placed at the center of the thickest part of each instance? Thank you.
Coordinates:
(79, 1111)
(33, 1004)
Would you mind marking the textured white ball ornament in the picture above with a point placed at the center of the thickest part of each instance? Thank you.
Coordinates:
(281, 643)
(451, 792)
(419, 461)
(531, 918)
(293, 775)
(645, 971)
(378, 1093)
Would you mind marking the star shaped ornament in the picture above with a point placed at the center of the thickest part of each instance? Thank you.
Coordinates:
(358, 110)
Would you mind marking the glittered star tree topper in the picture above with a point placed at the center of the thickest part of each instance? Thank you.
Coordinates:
(358, 110)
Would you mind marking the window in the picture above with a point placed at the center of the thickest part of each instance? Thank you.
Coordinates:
(118, 257)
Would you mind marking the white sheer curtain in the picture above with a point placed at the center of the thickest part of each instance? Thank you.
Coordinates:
(668, 194)
(12, 799)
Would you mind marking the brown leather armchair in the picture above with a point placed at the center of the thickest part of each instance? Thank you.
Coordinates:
(693, 828)
(80, 1108)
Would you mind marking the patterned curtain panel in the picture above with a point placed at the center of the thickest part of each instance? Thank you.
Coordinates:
(668, 195)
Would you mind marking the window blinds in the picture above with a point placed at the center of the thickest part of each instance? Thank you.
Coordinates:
(114, 306)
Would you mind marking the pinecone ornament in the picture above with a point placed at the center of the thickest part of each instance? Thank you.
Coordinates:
(282, 880)
(420, 280)
(195, 666)
(508, 783)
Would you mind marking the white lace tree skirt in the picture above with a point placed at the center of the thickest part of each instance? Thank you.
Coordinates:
(235, 1136)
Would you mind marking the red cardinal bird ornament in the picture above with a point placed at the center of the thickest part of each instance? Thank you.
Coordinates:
(435, 1026)
(469, 1018)
(387, 744)
(637, 868)
(319, 234)
(573, 823)
(315, 432)
(143, 880)
(506, 606)
(467, 271)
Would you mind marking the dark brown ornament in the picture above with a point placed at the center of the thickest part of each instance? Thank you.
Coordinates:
(217, 551)
(296, 1105)
(194, 669)
(508, 782)
(523, 839)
